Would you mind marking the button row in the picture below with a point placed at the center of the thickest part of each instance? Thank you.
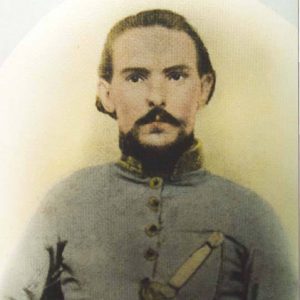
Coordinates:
(151, 230)
(155, 182)
(151, 254)
(153, 204)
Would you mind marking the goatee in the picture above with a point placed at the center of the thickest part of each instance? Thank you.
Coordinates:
(155, 160)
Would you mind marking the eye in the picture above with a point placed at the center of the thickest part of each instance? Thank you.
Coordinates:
(135, 77)
(176, 75)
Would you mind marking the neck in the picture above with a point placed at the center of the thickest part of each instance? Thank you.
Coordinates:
(155, 161)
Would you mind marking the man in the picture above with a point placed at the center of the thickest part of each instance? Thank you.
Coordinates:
(154, 225)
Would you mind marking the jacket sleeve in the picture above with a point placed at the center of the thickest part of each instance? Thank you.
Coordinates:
(270, 272)
(255, 256)
(28, 267)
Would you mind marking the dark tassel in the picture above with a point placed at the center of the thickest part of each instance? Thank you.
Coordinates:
(52, 289)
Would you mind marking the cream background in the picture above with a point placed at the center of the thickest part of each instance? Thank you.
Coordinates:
(49, 125)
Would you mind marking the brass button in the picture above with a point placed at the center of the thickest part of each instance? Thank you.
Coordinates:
(153, 203)
(150, 254)
(151, 230)
(155, 182)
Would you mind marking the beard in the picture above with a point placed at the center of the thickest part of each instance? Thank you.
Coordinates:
(156, 160)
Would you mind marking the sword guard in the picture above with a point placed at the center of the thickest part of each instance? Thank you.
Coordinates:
(152, 290)
(215, 239)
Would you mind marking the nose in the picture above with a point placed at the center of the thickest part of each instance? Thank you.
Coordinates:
(157, 94)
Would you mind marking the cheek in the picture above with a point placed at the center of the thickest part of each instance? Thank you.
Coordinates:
(185, 103)
(129, 106)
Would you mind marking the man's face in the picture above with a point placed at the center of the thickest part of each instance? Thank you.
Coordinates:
(155, 69)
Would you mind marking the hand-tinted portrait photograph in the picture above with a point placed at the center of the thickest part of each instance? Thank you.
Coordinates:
(150, 151)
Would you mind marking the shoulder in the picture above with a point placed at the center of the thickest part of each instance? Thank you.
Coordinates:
(225, 185)
(236, 200)
(223, 188)
(83, 186)
(85, 178)
(251, 215)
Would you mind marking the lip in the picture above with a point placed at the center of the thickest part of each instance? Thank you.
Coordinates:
(157, 123)
(156, 130)
(158, 127)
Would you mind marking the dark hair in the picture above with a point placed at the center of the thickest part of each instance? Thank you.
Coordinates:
(163, 18)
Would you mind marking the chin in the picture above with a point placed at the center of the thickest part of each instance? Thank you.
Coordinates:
(158, 140)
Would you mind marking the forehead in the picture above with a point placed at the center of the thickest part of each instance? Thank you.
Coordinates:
(153, 47)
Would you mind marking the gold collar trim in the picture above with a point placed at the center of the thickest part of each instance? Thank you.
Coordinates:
(191, 160)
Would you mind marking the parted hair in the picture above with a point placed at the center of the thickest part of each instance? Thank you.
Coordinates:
(155, 17)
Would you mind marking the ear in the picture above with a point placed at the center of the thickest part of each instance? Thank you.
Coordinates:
(207, 82)
(103, 94)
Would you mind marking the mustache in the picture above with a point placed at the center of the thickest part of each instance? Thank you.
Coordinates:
(163, 115)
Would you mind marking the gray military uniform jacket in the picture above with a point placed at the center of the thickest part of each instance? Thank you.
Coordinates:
(107, 232)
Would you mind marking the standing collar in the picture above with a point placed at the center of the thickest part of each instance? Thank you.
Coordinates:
(190, 160)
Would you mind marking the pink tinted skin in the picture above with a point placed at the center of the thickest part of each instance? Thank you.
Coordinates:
(155, 66)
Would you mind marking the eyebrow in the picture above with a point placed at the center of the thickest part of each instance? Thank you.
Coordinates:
(176, 68)
(135, 69)
(147, 72)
